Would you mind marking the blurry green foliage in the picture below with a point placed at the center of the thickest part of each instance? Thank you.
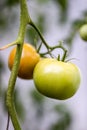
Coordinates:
(75, 25)
(38, 102)
(43, 1)
(2, 21)
(19, 105)
(62, 112)
(63, 4)
(37, 97)
(2, 66)
(2, 69)
(63, 9)
(5, 7)
(11, 2)
(64, 118)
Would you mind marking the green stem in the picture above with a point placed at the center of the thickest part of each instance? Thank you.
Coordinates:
(38, 31)
(61, 47)
(49, 49)
(11, 85)
(8, 45)
(64, 55)
(10, 91)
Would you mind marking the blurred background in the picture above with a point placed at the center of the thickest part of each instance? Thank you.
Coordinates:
(57, 20)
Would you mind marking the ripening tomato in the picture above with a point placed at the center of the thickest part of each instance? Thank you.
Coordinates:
(28, 61)
(56, 79)
(83, 32)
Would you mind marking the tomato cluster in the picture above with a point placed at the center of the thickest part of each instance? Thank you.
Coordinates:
(52, 78)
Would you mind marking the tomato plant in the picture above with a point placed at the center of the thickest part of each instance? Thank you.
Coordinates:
(56, 79)
(28, 61)
(83, 32)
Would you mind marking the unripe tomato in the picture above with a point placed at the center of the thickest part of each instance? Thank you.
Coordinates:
(83, 32)
(28, 61)
(56, 79)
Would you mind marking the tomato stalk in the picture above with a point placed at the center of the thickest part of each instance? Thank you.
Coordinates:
(41, 36)
(24, 17)
(49, 48)
(52, 49)
(38, 31)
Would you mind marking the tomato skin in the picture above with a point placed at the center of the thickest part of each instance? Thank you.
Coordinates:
(28, 61)
(83, 32)
(56, 79)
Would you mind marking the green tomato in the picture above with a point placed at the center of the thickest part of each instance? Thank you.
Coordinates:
(56, 79)
(83, 32)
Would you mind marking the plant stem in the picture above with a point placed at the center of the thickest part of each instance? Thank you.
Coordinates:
(64, 55)
(38, 31)
(8, 45)
(24, 17)
(49, 48)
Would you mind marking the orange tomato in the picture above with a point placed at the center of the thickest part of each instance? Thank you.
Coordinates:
(29, 59)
